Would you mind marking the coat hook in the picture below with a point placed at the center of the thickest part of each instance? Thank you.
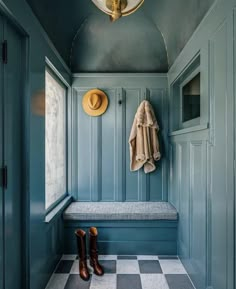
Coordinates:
(120, 102)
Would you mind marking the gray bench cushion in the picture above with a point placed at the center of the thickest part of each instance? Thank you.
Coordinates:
(120, 211)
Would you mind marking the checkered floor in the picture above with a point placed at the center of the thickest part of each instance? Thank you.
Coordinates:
(123, 272)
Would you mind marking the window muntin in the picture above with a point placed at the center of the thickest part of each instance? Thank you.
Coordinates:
(55, 140)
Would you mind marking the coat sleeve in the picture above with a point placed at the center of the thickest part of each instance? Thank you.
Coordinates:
(155, 145)
(136, 146)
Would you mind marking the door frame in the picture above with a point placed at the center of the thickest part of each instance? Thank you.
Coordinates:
(25, 205)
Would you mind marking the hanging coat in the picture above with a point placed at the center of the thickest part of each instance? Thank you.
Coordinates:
(143, 140)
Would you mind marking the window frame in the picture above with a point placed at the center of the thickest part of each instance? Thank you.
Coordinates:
(50, 68)
(195, 121)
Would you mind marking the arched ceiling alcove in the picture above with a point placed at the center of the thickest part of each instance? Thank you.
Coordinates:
(132, 44)
(146, 41)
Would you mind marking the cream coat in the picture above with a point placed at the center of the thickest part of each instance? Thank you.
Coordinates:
(143, 140)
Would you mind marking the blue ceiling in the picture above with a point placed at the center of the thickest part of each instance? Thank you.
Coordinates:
(146, 41)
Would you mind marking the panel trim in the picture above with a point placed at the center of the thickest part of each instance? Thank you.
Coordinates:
(203, 146)
(55, 70)
(193, 144)
(120, 75)
(123, 154)
(190, 129)
(209, 212)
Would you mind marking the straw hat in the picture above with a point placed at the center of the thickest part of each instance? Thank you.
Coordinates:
(95, 102)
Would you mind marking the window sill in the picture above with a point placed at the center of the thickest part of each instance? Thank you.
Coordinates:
(190, 129)
(58, 209)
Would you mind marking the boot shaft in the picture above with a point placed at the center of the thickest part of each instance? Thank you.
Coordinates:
(81, 244)
(93, 234)
(93, 251)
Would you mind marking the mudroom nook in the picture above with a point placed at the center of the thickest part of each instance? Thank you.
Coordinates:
(117, 151)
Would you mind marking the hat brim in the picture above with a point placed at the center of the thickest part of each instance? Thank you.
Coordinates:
(101, 109)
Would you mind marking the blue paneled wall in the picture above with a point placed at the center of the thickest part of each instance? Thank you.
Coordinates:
(201, 183)
(44, 242)
(99, 145)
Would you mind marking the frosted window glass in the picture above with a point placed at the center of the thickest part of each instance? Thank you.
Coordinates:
(55, 144)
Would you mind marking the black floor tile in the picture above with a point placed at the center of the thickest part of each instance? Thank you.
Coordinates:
(125, 281)
(126, 257)
(109, 266)
(64, 266)
(149, 267)
(75, 282)
(179, 281)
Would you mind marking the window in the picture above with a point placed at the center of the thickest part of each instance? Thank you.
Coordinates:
(55, 140)
(187, 110)
(191, 99)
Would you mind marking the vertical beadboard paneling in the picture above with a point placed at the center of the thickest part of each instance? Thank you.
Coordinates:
(184, 195)
(218, 71)
(132, 179)
(100, 148)
(74, 144)
(95, 162)
(158, 98)
(188, 163)
(171, 173)
(218, 76)
(198, 212)
(144, 180)
(107, 153)
(174, 189)
(85, 154)
(222, 187)
(120, 145)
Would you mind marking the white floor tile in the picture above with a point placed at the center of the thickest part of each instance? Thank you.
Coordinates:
(172, 267)
(147, 257)
(107, 257)
(154, 281)
(57, 281)
(127, 267)
(107, 281)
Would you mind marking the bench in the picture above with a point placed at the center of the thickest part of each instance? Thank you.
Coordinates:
(124, 228)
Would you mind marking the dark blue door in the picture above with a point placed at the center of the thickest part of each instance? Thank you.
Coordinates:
(11, 136)
(1, 165)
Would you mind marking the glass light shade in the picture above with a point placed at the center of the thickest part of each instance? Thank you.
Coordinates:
(118, 8)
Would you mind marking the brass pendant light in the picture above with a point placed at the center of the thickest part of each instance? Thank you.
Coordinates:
(118, 8)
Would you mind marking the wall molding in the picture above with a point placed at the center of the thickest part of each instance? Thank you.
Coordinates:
(211, 53)
(120, 75)
(6, 11)
(55, 70)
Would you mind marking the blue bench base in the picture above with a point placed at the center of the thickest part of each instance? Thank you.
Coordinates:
(151, 237)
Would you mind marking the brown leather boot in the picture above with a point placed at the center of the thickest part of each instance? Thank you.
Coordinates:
(81, 244)
(98, 270)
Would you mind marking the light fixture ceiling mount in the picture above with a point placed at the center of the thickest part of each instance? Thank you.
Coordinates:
(118, 8)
